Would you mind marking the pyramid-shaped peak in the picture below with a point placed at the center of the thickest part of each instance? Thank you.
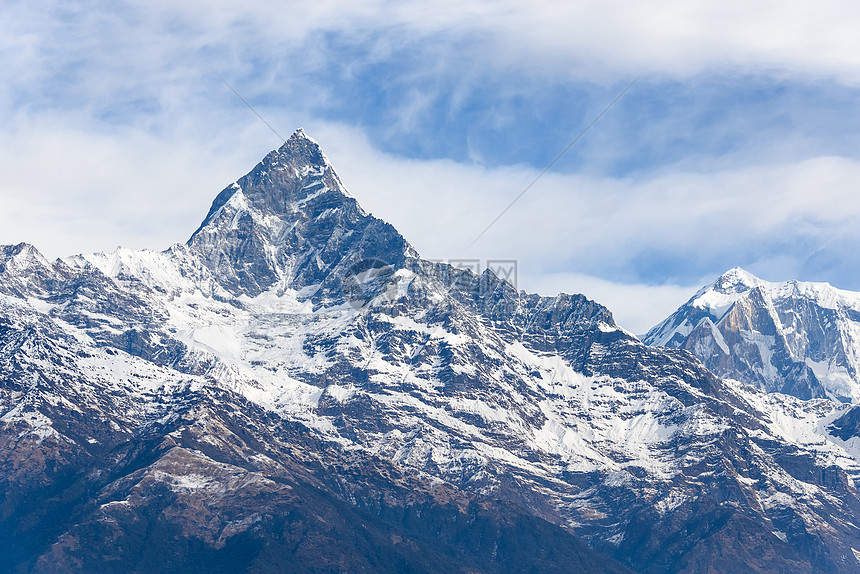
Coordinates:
(300, 134)
(22, 254)
(292, 178)
(736, 280)
(300, 151)
(19, 249)
(291, 222)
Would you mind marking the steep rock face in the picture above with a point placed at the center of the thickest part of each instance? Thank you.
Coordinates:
(290, 222)
(795, 338)
(295, 389)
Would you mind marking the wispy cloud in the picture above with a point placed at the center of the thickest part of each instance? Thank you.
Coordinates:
(672, 226)
(596, 38)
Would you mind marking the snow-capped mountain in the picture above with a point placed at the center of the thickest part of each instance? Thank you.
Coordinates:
(796, 338)
(296, 389)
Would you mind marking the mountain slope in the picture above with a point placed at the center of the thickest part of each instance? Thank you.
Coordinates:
(294, 383)
(797, 338)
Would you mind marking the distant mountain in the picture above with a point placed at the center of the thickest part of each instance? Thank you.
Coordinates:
(295, 389)
(801, 339)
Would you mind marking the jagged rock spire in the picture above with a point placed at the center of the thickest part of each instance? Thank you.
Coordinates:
(291, 222)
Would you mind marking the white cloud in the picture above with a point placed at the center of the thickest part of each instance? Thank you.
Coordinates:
(164, 49)
(67, 189)
(596, 38)
(598, 221)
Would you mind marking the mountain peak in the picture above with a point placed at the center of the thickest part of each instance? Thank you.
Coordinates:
(300, 151)
(285, 180)
(792, 337)
(289, 221)
(301, 134)
(736, 280)
(22, 254)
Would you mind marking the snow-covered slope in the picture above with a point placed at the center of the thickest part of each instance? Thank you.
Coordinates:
(296, 375)
(798, 338)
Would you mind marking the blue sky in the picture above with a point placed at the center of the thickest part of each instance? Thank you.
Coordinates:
(737, 145)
